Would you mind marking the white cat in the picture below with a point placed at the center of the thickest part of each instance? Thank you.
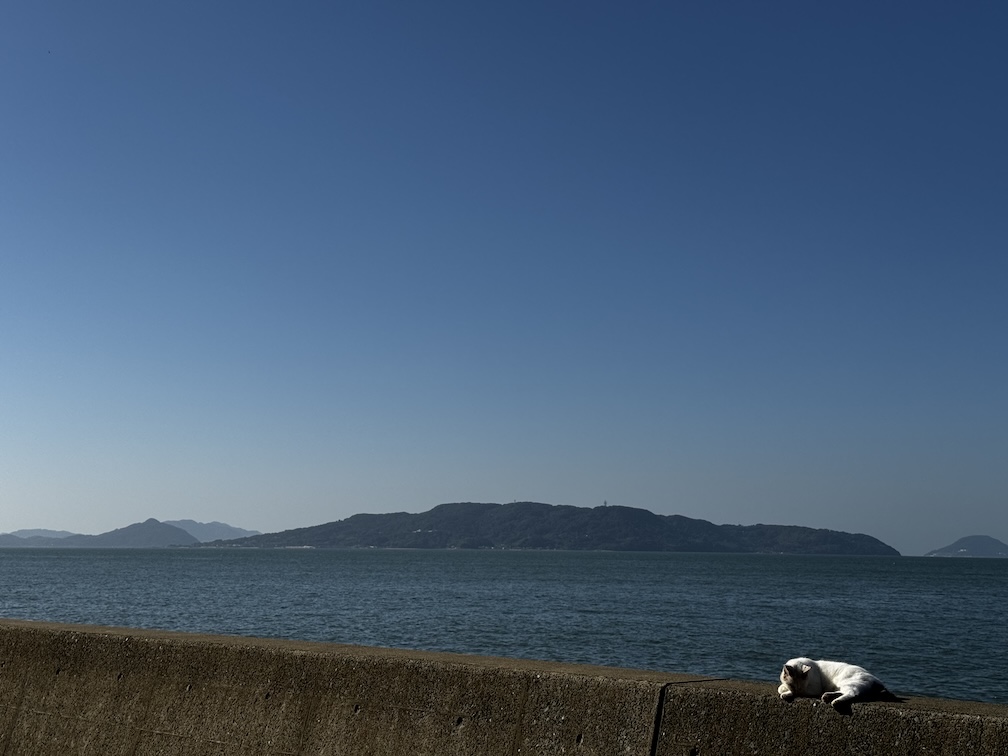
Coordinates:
(836, 683)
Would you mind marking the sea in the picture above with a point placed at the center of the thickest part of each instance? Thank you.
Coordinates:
(925, 626)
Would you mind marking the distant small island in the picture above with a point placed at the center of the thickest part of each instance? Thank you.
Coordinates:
(973, 546)
(534, 525)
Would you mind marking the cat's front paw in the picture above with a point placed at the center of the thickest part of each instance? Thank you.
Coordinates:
(829, 695)
(787, 696)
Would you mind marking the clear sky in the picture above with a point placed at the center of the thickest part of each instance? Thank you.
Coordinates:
(279, 263)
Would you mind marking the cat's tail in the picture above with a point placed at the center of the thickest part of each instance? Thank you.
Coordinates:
(880, 692)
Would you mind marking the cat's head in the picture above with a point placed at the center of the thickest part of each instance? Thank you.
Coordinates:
(795, 675)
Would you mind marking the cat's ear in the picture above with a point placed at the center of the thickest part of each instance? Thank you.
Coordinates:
(795, 671)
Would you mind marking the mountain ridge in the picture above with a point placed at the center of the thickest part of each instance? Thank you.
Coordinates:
(211, 531)
(535, 525)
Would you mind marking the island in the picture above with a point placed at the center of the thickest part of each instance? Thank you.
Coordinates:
(973, 546)
(535, 525)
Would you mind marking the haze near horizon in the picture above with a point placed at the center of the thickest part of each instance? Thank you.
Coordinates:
(275, 266)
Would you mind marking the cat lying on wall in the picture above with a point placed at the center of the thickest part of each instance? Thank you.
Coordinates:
(836, 683)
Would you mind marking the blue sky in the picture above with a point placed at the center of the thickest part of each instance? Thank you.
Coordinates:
(278, 265)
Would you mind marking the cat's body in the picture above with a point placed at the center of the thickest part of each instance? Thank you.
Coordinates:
(836, 683)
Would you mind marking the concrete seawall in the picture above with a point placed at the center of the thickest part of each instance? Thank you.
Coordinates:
(67, 689)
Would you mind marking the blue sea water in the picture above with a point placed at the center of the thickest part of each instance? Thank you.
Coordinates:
(924, 626)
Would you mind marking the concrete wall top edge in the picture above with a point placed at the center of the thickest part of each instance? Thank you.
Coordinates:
(909, 703)
(345, 650)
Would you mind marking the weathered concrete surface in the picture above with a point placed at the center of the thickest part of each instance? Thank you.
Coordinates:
(75, 689)
(715, 717)
(84, 690)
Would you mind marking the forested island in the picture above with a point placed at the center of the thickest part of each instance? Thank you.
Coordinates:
(533, 525)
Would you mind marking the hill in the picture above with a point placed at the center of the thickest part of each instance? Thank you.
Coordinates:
(211, 531)
(141, 535)
(973, 546)
(41, 533)
(533, 525)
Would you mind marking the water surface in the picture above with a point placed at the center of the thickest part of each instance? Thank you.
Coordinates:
(925, 626)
